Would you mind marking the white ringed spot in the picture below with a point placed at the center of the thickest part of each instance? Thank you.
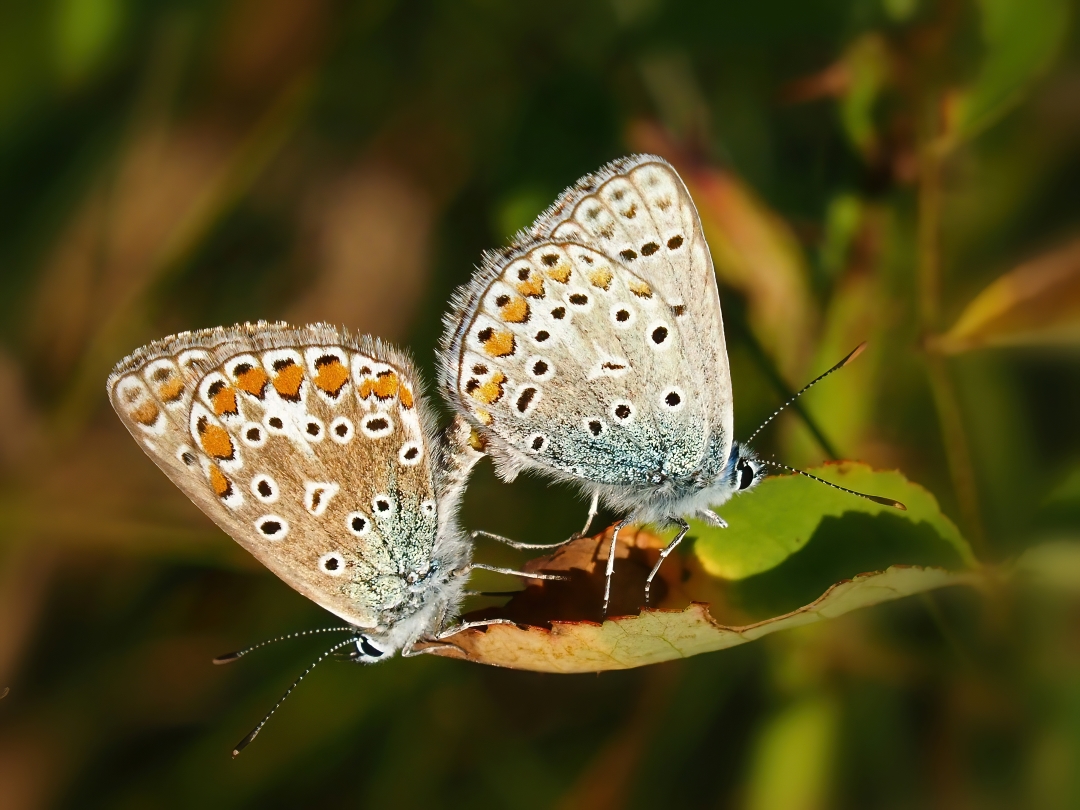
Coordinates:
(272, 527)
(342, 430)
(314, 430)
(672, 399)
(525, 400)
(317, 495)
(377, 426)
(358, 524)
(622, 316)
(659, 336)
(253, 434)
(265, 488)
(383, 504)
(623, 411)
(594, 425)
(411, 454)
(332, 563)
(539, 368)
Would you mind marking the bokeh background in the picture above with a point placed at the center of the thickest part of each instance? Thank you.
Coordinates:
(899, 171)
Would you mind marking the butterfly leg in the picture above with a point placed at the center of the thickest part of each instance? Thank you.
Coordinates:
(509, 572)
(611, 565)
(710, 517)
(594, 507)
(684, 527)
(457, 628)
(518, 544)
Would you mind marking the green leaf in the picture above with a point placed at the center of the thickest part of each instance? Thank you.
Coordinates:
(779, 517)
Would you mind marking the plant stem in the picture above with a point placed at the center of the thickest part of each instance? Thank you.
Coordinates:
(946, 401)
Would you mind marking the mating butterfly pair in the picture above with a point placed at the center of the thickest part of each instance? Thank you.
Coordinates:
(591, 350)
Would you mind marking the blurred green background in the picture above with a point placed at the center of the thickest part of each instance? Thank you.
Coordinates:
(899, 171)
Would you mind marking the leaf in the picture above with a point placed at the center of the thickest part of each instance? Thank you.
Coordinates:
(1022, 38)
(1037, 303)
(816, 552)
(664, 635)
(768, 525)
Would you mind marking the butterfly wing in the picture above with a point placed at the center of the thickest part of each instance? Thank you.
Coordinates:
(310, 447)
(594, 348)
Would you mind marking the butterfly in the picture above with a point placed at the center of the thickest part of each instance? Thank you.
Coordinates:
(592, 351)
(317, 452)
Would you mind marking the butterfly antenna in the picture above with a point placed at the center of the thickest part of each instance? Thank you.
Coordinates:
(230, 657)
(858, 350)
(240, 746)
(874, 498)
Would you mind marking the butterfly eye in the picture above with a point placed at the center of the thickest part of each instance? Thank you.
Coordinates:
(367, 649)
(746, 473)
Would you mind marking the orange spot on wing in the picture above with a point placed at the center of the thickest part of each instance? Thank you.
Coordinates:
(386, 385)
(517, 311)
(225, 402)
(253, 381)
(490, 392)
(405, 397)
(215, 441)
(484, 417)
(641, 289)
(365, 389)
(146, 414)
(560, 273)
(500, 344)
(600, 277)
(331, 377)
(532, 287)
(287, 381)
(219, 483)
(172, 390)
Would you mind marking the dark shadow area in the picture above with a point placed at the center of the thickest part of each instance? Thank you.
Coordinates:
(841, 548)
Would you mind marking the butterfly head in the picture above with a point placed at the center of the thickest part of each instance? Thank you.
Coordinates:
(368, 650)
(745, 469)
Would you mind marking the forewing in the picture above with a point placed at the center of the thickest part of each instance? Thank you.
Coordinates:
(307, 445)
(576, 363)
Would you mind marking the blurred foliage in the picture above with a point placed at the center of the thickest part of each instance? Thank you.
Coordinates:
(902, 172)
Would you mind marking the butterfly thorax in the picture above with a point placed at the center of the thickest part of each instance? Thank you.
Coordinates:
(666, 498)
